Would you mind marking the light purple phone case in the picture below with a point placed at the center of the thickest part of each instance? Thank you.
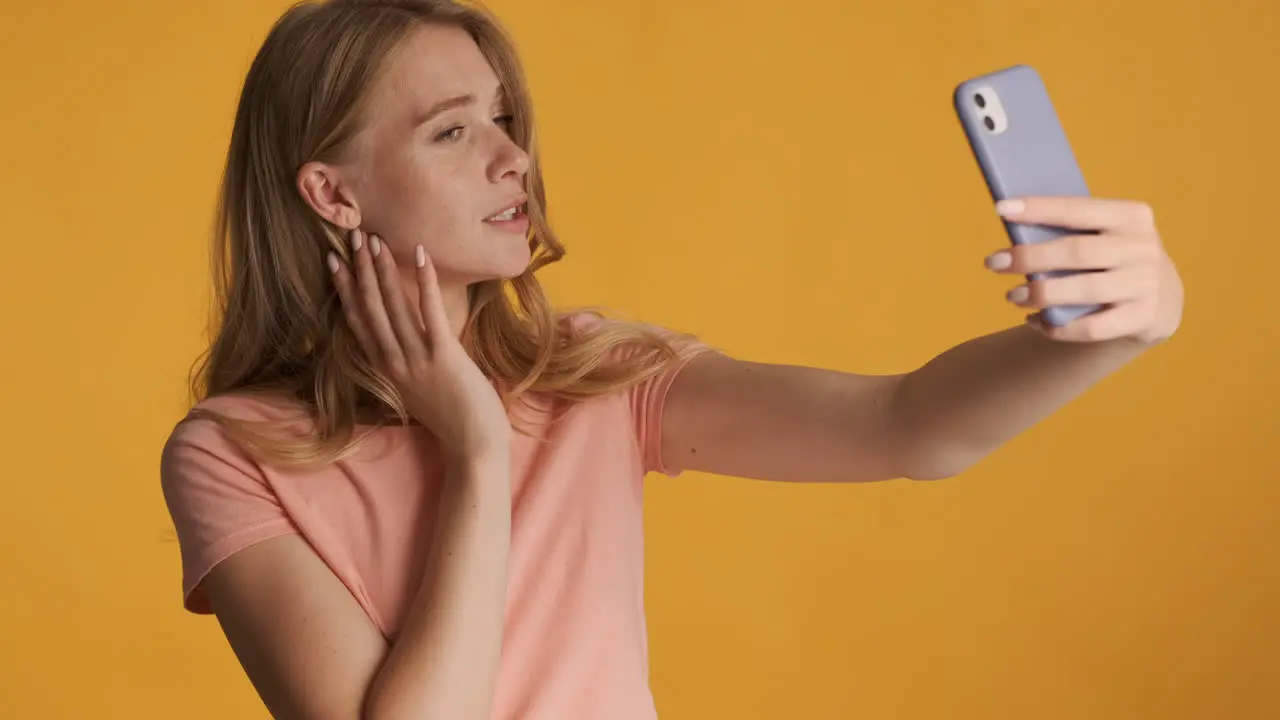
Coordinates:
(1031, 157)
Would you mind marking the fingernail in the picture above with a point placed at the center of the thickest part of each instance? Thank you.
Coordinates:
(1018, 294)
(1010, 207)
(999, 260)
(420, 256)
(333, 262)
(356, 240)
(375, 245)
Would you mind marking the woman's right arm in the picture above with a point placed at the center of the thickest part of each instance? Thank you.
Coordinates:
(305, 643)
(311, 651)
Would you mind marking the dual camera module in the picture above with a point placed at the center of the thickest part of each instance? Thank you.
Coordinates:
(990, 109)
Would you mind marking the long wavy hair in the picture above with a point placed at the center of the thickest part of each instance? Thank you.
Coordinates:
(277, 326)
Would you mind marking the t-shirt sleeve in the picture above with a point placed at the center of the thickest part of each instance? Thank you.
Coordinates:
(219, 500)
(648, 402)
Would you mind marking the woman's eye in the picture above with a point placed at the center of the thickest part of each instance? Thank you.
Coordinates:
(452, 133)
(455, 133)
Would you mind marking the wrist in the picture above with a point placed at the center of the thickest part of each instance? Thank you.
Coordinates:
(487, 467)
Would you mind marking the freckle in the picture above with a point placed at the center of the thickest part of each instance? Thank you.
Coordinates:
(693, 450)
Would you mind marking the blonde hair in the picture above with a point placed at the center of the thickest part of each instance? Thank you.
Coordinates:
(278, 328)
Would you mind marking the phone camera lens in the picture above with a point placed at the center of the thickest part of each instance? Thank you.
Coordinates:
(979, 100)
(991, 124)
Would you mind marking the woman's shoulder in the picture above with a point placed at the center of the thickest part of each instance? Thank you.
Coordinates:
(583, 322)
(203, 422)
(628, 336)
(251, 406)
(218, 442)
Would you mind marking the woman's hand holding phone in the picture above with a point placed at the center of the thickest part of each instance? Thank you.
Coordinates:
(1133, 277)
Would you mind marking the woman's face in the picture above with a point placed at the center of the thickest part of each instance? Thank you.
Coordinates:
(434, 164)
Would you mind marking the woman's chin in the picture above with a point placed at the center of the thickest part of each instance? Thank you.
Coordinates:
(496, 268)
(512, 263)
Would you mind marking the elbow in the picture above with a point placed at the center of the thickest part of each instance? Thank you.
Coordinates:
(925, 456)
(931, 474)
(926, 463)
(919, 451)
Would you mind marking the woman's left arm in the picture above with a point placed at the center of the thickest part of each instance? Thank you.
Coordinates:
(779, 422)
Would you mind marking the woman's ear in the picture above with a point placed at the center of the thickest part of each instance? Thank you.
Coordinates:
(321, 189)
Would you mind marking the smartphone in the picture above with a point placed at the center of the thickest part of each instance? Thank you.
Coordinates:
(1022, 150)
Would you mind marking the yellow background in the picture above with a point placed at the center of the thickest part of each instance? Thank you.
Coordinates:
(788, 180)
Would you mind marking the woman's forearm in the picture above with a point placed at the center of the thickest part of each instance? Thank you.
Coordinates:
(973, 398)
(445, 661)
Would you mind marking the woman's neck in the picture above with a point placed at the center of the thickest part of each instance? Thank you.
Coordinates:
(455, 295)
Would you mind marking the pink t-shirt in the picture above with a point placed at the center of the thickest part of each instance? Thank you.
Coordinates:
(574, 643)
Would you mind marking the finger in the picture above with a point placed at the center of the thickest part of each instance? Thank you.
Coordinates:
(1121, 320)
(1083, 213)
(1100, 288)
(369, 298)
(343, 280)
(430, 302)
(403, 324)
(1076, 252)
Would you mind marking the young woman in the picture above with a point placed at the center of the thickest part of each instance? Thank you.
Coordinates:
(411, 490)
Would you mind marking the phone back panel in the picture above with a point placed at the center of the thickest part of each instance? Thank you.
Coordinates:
(1030, 155)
